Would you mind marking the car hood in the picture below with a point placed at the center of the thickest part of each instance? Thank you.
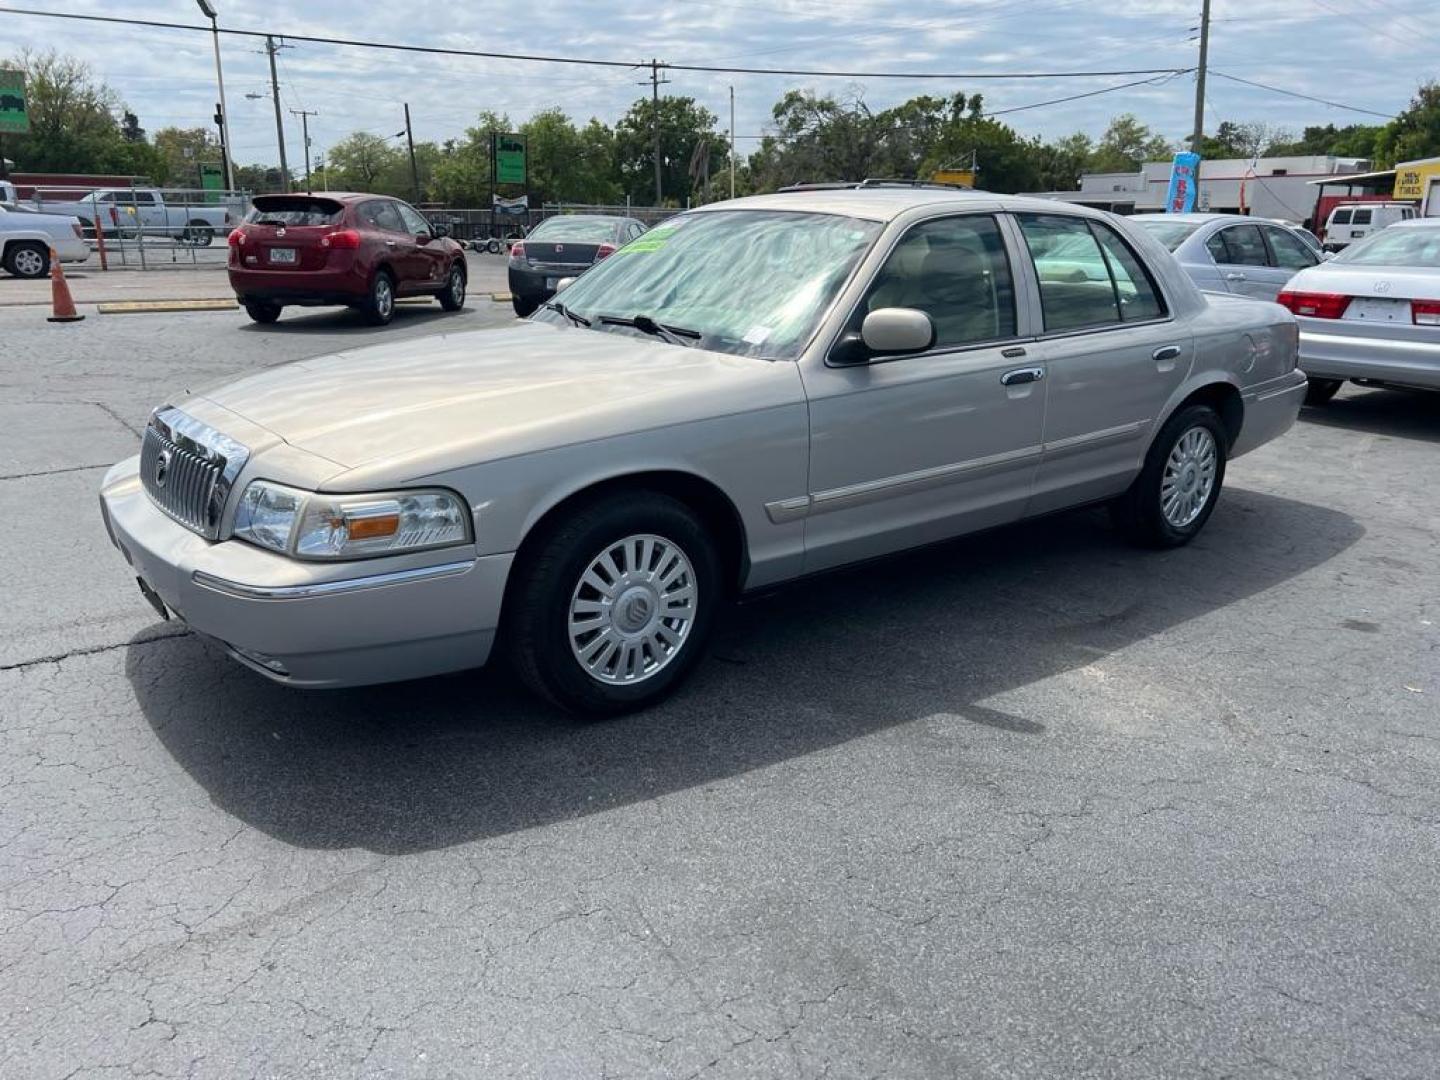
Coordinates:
(420, 407)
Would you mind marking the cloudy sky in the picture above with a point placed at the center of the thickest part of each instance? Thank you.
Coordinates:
(1365, 53)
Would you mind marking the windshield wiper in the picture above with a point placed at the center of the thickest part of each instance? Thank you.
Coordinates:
(676, 335)
(556, 305)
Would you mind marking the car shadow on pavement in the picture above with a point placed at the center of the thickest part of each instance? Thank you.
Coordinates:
(345, 321)
(1401, 414)
(438, 762)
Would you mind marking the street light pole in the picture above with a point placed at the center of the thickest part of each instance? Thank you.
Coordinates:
(208, 9)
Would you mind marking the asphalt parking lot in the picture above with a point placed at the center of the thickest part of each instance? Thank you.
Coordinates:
(1032, 804)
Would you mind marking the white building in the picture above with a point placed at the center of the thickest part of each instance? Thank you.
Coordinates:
(1276, 187)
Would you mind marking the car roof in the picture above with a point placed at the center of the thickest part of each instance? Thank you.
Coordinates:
(881, 203)
(1202, 218)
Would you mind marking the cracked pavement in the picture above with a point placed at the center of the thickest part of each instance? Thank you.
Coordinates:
(1031, 804)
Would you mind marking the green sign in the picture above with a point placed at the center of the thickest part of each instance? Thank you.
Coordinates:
(212, 178)
(14, 120)
(510, 159)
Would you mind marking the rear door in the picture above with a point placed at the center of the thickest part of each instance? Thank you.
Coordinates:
(1243, 261)
(1288, 256)
(385, 228)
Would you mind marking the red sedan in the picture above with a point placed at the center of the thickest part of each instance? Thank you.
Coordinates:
(361, 251)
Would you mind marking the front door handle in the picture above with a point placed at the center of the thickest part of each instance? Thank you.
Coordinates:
(389, 243)
(1021, 376)
(1165, 352)
(1013, 351)
(1234, 276)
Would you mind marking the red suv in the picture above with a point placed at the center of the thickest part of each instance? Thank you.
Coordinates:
(362, 251)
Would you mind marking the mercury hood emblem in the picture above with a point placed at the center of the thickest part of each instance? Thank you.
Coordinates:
(162, 468)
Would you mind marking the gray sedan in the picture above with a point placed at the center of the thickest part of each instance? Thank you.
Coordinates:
(756, 391)
(1230, 253)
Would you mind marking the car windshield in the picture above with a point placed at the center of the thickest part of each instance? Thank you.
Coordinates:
(578, 230)
(1406, 246)
(293, 211)
(1170, 233)
(748, 282)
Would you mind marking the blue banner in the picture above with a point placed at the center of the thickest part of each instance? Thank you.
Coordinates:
(1184, 182)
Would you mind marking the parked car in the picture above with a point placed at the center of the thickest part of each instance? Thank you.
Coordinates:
(1372, 313)
(130, 212)
(1355, 221)
(758, 390)
(1229, 253)
(26, 238)
(361, 251)
(560, 247)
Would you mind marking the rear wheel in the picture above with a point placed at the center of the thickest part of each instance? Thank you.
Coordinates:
(612, 609)
(262, 311)
(452, 298)
(492, 246)
(27, 259)
(198, 234)
(523, 305)
(1320, 391)
(379, 306)
(1172, 498)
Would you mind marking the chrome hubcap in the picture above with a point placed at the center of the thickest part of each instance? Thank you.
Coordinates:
(457, 285)
(1189, 477)
(29, 262)
(383, 298)
(632, 610)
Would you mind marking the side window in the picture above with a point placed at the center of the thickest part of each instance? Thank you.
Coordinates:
(1246, 246)
(1216, 246)
(380, 214)
(414, 223)
(1340, 217)
(1075, 285)
(955, 270)
(1362, 217)
(1134, 287)
(144, 198)
(1290, 252)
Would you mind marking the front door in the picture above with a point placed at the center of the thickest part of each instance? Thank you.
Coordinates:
(909, 449)
(1112, 353)
(382, 216)
(1244, 262)
(429, 255)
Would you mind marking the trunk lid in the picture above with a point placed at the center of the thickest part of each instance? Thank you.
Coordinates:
(288, 232)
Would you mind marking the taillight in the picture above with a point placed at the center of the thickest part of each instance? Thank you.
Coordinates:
(1315, 305)
(341, 239)
(1425, 312)
(517, 251)
(236, 238)
(604, 250)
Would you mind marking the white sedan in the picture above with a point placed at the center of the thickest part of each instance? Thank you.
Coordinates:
(27, 236)
(1372, 313)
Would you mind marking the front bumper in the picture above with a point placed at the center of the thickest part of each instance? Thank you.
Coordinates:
(312, 624)
(1271, 408)
(1390, 360)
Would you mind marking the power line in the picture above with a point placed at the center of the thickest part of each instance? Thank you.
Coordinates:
(1303, 97)
(590, 61)
(1088, 94)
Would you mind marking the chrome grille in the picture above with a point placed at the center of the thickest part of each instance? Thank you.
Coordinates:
(188, 469)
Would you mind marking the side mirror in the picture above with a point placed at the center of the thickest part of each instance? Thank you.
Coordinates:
(885, 332)
(563, 284)
(439, 230)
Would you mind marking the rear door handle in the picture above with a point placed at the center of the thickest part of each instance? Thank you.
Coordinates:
(1234, 277)
(1165, 352)
(1022, 375)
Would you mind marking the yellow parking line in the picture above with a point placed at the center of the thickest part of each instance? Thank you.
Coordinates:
(128, 307)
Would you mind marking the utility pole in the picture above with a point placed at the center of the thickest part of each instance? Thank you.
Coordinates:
(1198, 135)
(305, 115)
(410, 139)
(655, 84)
(272, 48)
(732, 142)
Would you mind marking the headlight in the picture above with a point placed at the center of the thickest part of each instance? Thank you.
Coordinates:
(311, 525)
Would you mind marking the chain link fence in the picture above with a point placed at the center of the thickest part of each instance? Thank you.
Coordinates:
(477, 225)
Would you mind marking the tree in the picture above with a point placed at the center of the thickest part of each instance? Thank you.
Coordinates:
(260, 179)
(684, 127)
(1249, 139)
(1353, 140)
(181, 151)
(1061, 163)
(364, 161)
(1126, 145)
(1415, 133)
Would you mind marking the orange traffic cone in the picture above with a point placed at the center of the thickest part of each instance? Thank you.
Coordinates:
(60, 302)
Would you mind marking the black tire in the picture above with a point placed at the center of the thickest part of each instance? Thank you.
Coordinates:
(27, 259)
(379, 306)
(198, 234)
(1320, 391)
(492, 246)
(548, 578)
(523, 305)
(1140, 513)
(452, 297)
(262, 311)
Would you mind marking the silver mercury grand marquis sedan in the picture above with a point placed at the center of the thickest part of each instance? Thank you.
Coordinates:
(754, 391)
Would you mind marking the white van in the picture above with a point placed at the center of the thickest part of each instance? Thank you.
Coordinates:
(1356, 221)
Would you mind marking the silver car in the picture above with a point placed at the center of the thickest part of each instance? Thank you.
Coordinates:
(1372, 313)
(1230, 253)
(754, 391)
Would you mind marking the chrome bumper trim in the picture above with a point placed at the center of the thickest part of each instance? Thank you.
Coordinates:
(328, 588)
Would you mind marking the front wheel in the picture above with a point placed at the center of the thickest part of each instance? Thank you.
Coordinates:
(379, 306)
(492, 246)
(452, 297)
(1320, 391)
(1172, 498)
(198, 234)
(27, 259)
(612, 608)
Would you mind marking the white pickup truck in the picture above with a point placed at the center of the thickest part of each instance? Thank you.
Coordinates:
(131, 212)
